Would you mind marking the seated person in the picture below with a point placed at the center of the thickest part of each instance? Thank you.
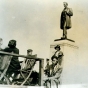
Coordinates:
(14, 64)
(31, 62)
(54, 73)
(27, 67)
(46, 71)
(0, 43)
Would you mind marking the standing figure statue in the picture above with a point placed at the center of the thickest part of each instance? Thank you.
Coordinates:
(65, 21)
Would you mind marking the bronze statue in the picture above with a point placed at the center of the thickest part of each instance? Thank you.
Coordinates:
(65, 21)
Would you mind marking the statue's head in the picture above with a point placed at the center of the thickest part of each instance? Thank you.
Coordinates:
(57, 47)
(12, 43)
(65, 4)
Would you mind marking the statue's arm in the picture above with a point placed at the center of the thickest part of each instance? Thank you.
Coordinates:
(70, 12)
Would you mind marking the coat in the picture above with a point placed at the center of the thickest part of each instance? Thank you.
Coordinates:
(56, 72)
(66, 17)
(14, 64)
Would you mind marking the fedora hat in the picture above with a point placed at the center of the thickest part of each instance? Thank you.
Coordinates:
(29, 50)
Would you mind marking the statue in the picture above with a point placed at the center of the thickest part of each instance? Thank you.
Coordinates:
(65, 21)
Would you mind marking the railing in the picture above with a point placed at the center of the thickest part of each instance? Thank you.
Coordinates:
(41, 63)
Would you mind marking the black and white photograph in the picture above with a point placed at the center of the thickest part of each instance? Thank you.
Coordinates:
(43, 44)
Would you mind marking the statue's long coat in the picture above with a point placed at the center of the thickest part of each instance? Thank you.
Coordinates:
(66, 17)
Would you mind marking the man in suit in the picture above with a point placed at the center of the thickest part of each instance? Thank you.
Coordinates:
(65, 21)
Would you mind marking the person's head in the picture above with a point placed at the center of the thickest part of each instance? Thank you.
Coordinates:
(54, 60)
(12, 43)
(65, 4)
(57, 47)
(47, 60)
(29, 52)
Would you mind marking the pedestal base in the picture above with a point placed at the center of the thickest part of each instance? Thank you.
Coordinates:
(64, 39)
(70, 60)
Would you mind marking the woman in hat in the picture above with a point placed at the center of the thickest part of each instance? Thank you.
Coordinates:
(14, 64)
(58, 53)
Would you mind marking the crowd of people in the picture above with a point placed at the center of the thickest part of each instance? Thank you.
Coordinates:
(15, 65)
(51, 71)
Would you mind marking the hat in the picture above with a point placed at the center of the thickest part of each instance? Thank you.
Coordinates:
(54, 57)
(12, 43)
(57, 47)
(47, 59)
(29, 50)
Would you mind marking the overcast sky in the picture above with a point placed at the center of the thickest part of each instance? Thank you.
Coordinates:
(36, 23)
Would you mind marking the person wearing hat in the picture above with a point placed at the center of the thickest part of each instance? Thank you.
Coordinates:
(55, 70)
(58, 53)
(65, 20)
(14, 64)
(29, 52)
(30, 59)
(46, 70)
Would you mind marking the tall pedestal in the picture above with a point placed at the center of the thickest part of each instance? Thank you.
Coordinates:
(69, 62)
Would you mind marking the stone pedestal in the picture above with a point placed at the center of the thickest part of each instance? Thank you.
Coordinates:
(70, 60)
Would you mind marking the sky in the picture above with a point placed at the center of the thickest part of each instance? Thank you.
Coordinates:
(35, 24)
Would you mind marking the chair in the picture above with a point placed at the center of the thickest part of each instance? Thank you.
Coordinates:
(25, 72)
(4, 64)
